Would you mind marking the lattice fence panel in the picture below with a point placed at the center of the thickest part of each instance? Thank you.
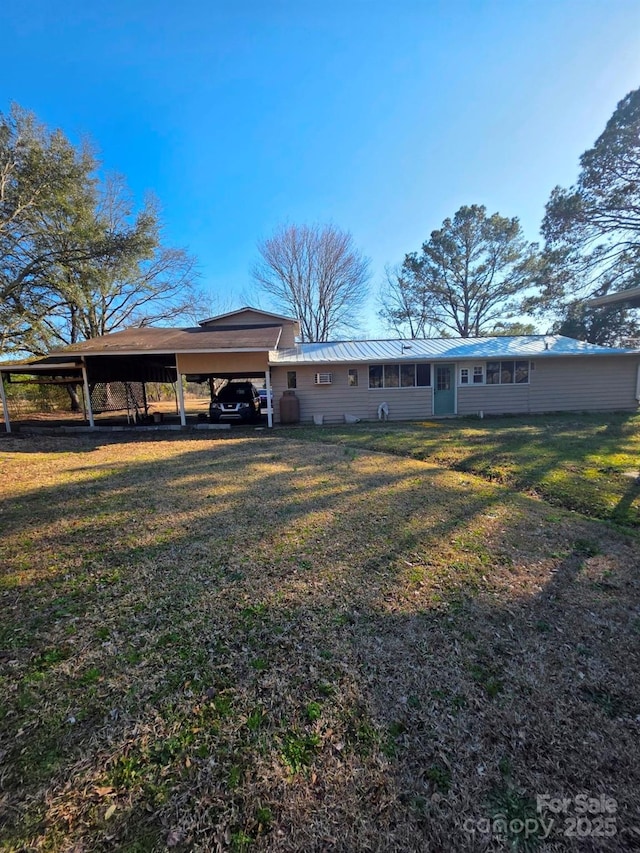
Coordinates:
(118, 397)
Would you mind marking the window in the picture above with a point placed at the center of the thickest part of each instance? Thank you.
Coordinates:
(507, 372)
(407, 375)
(375, 376)
(292, 381)
(473, 375)
(443, 378)
(493, 373)
(353, 377)
(398, 375)
(423, 375)
(392, 376)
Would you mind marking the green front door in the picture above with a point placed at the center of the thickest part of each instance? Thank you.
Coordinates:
(444, 390)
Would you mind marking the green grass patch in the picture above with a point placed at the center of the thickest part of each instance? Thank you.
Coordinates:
(577, 461)
(246, 641)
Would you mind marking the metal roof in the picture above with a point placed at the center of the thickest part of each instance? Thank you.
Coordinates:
(444, 349)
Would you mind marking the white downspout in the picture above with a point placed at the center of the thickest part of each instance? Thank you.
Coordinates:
(180, 392)
(87, 396)
(5, 407)
(267, 382)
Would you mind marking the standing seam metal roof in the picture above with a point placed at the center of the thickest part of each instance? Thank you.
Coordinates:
(440, 349)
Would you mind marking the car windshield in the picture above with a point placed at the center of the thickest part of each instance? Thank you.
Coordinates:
(231, 393)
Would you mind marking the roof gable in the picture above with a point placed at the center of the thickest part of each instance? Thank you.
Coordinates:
(247, 315)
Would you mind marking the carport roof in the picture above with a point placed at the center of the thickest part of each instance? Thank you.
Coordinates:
(153, 339)
(46, 366)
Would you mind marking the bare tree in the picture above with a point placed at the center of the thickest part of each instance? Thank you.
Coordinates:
(406, 311)
(315, 273)
(76, 259)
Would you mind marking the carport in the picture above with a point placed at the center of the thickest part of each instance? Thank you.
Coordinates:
(150, 354)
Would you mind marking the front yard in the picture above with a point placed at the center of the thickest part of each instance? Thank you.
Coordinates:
(263, 643)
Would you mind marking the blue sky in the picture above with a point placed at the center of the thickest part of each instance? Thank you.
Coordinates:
(381, 117)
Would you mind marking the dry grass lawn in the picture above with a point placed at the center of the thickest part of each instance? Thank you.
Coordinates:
(258, 644)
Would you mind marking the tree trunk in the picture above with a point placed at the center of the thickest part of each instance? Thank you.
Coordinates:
(73, 396)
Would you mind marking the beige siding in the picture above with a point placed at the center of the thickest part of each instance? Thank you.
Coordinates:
(581, 384)
(255, 318)
(249, 363)
(493, 399)
(559, 384)
(335, 400)
(556, 384)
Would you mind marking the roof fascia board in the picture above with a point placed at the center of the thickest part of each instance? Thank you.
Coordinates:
(107, 354)
(8, 367)
(620, 296)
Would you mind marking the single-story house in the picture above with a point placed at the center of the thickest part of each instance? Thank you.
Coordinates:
(343, 380)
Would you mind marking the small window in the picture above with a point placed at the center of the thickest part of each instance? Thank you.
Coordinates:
(464, 375)
(407, 375)
(522, 372)
(478, 374)
(423, 375)
(443, 378)
(353, 377)
(375, 376)
(292, 380)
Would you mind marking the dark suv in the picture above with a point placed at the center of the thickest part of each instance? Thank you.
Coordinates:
(237, 401)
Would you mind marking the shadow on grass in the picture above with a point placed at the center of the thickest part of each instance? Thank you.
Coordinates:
(367, 653)
(574, 461)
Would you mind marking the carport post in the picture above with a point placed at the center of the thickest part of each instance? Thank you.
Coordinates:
(87, 395)
(180, 391)
(5, 407)
(267, 382)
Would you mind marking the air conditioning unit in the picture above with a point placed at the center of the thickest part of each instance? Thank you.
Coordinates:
(323, 378)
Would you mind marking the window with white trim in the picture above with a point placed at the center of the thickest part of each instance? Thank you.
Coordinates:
(507, 372)
(399, 375)
(472, 375)
(353, 377)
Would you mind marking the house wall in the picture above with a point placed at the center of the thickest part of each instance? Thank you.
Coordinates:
(576, 383)
(333, 401)
(249, 363)
(592, 383)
